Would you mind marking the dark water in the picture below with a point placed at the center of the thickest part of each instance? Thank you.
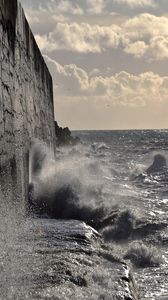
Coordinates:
(104, 183)
(124, 155)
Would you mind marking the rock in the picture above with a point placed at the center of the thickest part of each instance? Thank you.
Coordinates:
(159, 163)
(64, 136)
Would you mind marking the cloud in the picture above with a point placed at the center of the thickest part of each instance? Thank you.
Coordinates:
(124, 89)
(136, 3)
(66, 6)
(158, 48)
(44, 15)
(146, 36)
(145, 26)
(42, 21)
(95, 7)
(143, 36)
(60, 6)
(68, 79)
(83, 38)
(137, 49)
(130, 90)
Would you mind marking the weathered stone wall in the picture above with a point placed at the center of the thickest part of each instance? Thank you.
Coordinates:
(26, 99)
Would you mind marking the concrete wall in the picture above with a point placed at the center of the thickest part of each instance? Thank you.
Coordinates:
(26, 100)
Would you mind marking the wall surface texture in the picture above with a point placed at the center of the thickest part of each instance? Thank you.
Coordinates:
(26, 99)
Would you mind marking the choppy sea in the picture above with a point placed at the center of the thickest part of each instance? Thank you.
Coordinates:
(116, 182)
(118, 163)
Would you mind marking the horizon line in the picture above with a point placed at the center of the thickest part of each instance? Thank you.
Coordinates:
(125, 129)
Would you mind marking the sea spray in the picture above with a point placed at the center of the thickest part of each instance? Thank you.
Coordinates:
(73, 185)
(96, 187)
(142, 255)
(108, 182)
(16, 242)
(67, 187)
(123, 226)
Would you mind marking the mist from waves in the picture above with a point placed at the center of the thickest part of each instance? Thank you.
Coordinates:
(68, 186)
(92, 183)
(16, 246)
(76, 183)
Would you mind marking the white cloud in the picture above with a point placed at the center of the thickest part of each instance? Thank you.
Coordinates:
(146, 36)
(95, 7)
(100, 96)
(43, 20)
(61, 6)
(146, 26)
(50, 11)
(143, 36)
(68, 79)
(65, 6)
(137, 49)
(82, 38)
(127, 89)
(158, 48)
(136, 3)
(74, 84)
(95, 72)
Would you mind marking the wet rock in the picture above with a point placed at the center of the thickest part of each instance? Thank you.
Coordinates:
(64, 137)
(59, 264)
(159, 163)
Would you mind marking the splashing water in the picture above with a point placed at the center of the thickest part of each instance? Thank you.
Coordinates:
(97, 182)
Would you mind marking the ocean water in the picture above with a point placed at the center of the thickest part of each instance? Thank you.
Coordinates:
(124, 157)
(93, 207)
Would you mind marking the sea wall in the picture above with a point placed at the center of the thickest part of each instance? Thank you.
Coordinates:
(26, 100)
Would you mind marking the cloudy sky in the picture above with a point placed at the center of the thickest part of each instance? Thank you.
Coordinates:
(108, 59)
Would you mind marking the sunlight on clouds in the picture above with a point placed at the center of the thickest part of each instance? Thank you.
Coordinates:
(137, 49)
(147, 36)
(80, 37)
(120, 89)
(145, 26)
(158, 48)
(144, 36)
(68, 79)
(103, 38)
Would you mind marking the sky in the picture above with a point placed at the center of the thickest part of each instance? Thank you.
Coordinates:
(108, 60)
